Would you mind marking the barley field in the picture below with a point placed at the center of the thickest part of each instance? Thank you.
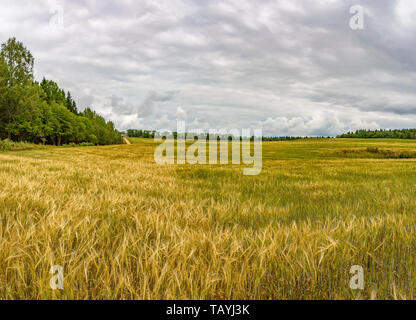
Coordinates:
(124, 227)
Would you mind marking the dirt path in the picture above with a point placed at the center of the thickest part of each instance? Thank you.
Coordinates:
(126, 141)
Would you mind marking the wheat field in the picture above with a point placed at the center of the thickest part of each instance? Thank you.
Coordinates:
(124, 227)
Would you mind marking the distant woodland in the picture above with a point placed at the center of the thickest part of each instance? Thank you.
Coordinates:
(393, 134)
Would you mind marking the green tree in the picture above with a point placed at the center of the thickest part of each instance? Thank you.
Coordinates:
(16, 73)
(70, 104)
(42, 112)
(52, 92)
(19, 62)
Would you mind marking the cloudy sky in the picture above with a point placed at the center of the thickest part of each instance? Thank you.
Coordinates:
(290, 67)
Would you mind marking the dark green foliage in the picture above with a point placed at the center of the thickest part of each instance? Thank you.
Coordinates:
(42, 112)
(133, 133)
(287, 138)
(70, 104)
(374, 134)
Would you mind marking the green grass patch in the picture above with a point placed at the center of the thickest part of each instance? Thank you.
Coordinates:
(375, 152)
(8, 145)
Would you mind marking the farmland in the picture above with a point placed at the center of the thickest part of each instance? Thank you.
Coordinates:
(124, 227)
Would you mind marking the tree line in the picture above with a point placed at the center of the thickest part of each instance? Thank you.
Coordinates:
(150, 134)
(41, 112)
(134, 133)
(285, 138)
(381, 133)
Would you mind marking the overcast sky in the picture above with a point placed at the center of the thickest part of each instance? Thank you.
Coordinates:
(290, 67)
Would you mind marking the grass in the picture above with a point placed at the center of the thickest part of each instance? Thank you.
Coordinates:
(374, 152)
(8, 145)
(126, 228)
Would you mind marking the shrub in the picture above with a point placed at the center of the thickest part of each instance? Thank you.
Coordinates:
(8, 145)
(86, 144)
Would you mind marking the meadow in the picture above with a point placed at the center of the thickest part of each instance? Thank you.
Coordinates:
(124, 227)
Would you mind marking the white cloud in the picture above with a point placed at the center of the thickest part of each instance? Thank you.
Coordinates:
(180, 114)
(293, 67)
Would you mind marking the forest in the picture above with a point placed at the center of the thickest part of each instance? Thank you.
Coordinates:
(41, 112)
(392, 134)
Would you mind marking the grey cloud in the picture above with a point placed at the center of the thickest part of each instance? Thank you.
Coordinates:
(119, 106)
(151, 102)
(180, 114)
(85, 101)
(290, 66)
(146, 108)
